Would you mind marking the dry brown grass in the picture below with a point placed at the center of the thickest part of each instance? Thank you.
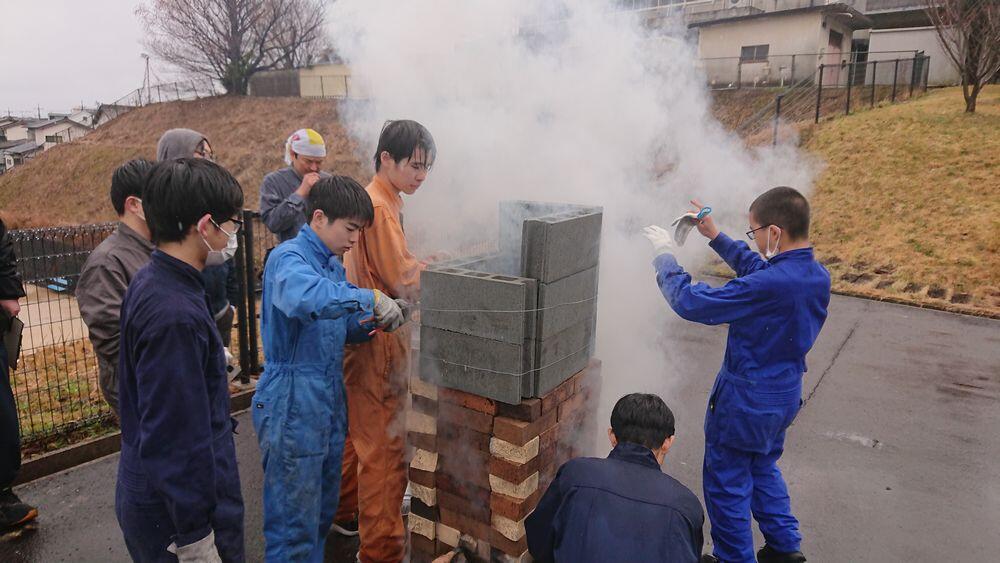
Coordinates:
(908, 206)
(69, 184)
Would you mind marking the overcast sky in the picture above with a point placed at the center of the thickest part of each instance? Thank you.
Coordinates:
(59, 53)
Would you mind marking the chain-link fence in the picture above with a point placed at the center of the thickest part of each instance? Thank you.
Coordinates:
(157, 93)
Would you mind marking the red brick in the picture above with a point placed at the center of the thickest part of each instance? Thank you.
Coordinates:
(563, 391)
(518, 432)
(465, 465)
(423, 545)
(474, 509)
(455, 436)
(512, 548)
(514, 508)
(423, 441)
(425, 478)
(527, 410)
(545, 477)
(424, 405)
(462, 489)
(572, 406)
(449, 413)
(467, 400)
(418, 507)
(465, 525)
(547, 440)
(514, 472)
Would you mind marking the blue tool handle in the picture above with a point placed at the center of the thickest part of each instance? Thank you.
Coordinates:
(704, 212)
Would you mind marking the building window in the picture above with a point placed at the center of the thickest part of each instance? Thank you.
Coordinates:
(754, 53)
(53, 139)
(3, 136)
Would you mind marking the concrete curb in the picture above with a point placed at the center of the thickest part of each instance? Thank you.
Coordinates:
(89, 450)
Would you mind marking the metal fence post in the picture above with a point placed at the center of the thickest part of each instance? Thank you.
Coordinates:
(777, 117)
(159, 95)
(177, 90)
(246, 294)
(739, 73)
(850, 84)
(874, 80)
(251, 284)
(895, 76)
(194, 86)
(819, 92)
(913, 74)
(793, 69)
(322, 87)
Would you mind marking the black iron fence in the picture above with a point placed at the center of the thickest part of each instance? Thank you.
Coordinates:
(56, 381)
(838, 89)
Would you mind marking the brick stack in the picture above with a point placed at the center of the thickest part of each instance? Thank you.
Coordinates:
(480, 466)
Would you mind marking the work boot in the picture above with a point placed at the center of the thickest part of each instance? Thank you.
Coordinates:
(13, 512)
(349, 529)
(767, 554)
(709, 558)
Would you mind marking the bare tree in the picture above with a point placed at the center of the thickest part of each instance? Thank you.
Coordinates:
(230, 40)
(969, 31)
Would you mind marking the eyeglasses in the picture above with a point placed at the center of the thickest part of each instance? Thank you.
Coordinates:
(207, 155)
(750, 233)
(238, 224)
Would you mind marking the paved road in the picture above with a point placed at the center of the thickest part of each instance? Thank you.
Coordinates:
(893, 458)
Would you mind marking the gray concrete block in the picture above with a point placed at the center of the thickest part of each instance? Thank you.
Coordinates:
(490, 368)
(561, 245)
(461, 300)
(566, 302)
(562, 355)
(514, 213)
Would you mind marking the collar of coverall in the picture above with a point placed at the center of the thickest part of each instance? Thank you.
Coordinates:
(318, 246)
(634, 453)
(798, 253)
(386, 189)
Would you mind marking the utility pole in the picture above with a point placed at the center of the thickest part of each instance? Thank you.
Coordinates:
(145, 80)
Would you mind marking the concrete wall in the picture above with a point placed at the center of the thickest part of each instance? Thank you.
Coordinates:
(942, 71)
(325, 81)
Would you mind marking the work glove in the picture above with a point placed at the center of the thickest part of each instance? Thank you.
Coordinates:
(229, 356)
(201, 551)
(388, 314)
(660, 239)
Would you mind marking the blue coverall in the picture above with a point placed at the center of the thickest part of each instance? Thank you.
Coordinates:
(775, 310)
(177, 476)
(309, 311)
(623, 508)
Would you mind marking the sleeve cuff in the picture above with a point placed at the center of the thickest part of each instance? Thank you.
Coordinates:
(295, 199)
(192, 537)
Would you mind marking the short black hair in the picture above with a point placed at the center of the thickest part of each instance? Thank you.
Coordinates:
(401, 138)
(783, 207)
(179, 192)
(127, 181)
(642, 418)
(340, 197)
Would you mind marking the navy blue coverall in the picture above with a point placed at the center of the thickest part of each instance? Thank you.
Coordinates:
(623, 508)
(775, 310)
(309, 311)
(177, 476)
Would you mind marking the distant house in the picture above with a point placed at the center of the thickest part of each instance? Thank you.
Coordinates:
(48, 133)
(11, 129)
(17, 154)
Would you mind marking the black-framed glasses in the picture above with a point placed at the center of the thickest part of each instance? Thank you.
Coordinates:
(236, 222)
(750, 233)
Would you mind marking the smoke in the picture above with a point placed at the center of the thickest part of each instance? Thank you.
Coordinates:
(562, 101)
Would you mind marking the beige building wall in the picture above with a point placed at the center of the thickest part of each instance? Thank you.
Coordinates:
(942, 72)
(327, 81)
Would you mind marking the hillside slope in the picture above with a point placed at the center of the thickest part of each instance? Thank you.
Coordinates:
(69, 183)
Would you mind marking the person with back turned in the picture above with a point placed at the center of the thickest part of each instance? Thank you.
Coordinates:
(775, 308)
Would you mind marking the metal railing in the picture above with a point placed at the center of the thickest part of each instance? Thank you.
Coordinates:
(779, 71)
(158, 93)
(835, 90)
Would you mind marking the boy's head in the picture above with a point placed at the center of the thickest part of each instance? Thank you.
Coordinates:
(779, 215)
(126, 186)
(191, 198)
(643, 419)
(338, 209)
(405, 154)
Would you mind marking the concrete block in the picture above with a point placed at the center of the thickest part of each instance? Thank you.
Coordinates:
(504, 388)
(512, 453)
(521, 490)
(563, 355)
(511, 529)
(422, 526)
(566, 302)
(490, 368)
(492, 306)
(560, 245)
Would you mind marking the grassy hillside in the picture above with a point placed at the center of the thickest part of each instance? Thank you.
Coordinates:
(908, 206)
(69, 183)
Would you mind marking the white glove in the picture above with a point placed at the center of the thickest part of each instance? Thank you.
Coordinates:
(229, 356)
(201, 551)
(659, 238)
(388, 315)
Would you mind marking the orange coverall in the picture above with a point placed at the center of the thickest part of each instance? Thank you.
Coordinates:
(374, 473)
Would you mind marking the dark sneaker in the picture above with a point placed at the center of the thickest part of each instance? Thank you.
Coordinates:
(349, 529)
(768, 555)
(709, 558)
(13, 512)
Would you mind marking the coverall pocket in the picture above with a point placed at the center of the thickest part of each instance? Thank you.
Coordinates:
(753, 420)
(308, 424)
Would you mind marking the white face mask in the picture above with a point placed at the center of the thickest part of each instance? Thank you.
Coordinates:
(219, 257)
(768, 252)
(141, 213)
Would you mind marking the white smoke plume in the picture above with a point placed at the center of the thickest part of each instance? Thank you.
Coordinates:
(562, 101)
